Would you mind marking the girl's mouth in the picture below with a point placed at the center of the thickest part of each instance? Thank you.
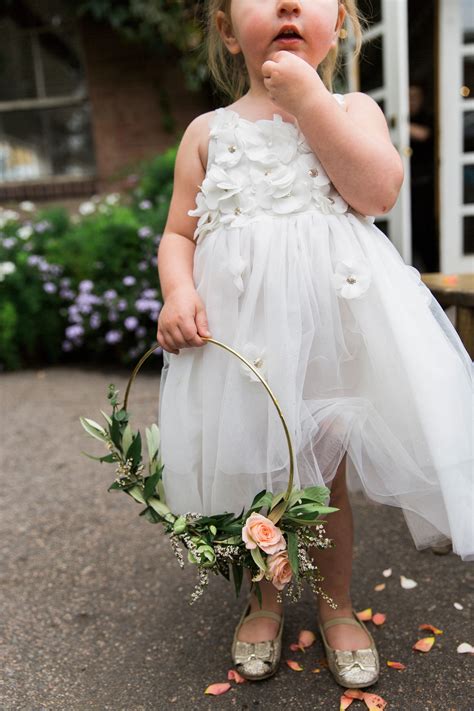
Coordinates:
(288, 39)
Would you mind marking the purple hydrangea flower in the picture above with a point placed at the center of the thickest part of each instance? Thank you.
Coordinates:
(142, 266)
(129, 280)
(86, 285)
(74, 332)
(145, 205)
(67, 346)
(9, 242)
(141, 331)
(49, 287)
(110, 294)
(95, 320)
(130, 323)
(122, 304)
(113, 336)
(144, 232)
(113, 316)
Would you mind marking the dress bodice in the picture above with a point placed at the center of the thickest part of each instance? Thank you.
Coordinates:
(261, 167)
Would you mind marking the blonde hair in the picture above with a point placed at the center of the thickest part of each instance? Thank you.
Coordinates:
(229, 72)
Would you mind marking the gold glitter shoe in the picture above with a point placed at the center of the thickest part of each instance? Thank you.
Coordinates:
(257, 660)
(352, 668)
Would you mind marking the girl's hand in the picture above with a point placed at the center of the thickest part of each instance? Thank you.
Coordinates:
(182, 321)
(289, 79)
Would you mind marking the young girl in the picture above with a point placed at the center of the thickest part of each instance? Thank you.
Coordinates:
(286, 265)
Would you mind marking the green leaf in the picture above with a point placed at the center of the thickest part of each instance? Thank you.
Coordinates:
(258, 558)
(150, 515)
(115, 485)
(150, 485)
(134, 452)
(319, 494)
(159, 507)
(259, 500)
(277, 498)
(237, 576)
(108, 458)
(153, 441)
(127, 437)
(136, 493)
(116, 434)
(94, 429)
(293, 553)
(107, 418)
(122, 416)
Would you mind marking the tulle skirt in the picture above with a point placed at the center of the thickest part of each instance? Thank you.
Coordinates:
(361, 358)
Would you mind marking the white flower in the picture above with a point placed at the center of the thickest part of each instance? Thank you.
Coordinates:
(112, 199)
(87, 208)
(5, 269)
(256, 356)
(27, 206)
(25, 231)
(352, 278)
(237, 267)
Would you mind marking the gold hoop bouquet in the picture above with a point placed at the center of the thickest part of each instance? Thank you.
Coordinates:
(271, 539)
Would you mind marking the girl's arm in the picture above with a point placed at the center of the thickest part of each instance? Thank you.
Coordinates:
(354, 147)
(183, 313)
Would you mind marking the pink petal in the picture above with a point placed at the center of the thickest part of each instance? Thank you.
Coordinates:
(396, 665)
(379, 618)
(379, 587)
(374, 702)
(424, 645)
(234, 675)
(216, 689)
(306, 638)
(294, 665)
(345, 702)
(365, 615)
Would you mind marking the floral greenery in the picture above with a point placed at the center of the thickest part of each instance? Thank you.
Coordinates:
(84, 284)
(214, 543)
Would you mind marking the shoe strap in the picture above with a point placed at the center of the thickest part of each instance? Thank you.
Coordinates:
(263, 613)
(340, 620)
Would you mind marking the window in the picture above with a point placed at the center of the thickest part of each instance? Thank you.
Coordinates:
(45, 125)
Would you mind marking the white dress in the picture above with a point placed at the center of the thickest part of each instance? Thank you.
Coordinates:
(358, 353)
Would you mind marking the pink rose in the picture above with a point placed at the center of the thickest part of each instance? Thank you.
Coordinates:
(279, 569)
(260, 531)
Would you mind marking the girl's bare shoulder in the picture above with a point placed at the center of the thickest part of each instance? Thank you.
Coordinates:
(198, 133)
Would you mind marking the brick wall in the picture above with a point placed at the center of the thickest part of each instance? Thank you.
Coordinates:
(125, 84)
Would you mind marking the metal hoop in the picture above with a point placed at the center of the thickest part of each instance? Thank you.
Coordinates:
(276, 513)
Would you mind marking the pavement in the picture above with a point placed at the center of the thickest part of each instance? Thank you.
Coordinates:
(94, 609)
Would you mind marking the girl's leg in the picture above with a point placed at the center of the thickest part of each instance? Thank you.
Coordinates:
(263, 628)
(335, 564)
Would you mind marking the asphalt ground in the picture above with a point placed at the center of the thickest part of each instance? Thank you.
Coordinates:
(94, 609)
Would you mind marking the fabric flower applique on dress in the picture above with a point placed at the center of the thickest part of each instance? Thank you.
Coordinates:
(352, 278)
(236, 267)
(256, 356)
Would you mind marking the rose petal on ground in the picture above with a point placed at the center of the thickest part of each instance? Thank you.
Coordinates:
(430, 628)
(306, 638)
(323, 662)
(295, 647)
(374, 702)
(354, 693)
(379, 618)
(345, 702)
(424, 645)
(407, 583)
(458, 606)
(387, 573)
(379, 587)
(216, 689)
(234, 675)
(365, 615)
(465, 648)
(396, 665)
(294, 665)
(316, 670)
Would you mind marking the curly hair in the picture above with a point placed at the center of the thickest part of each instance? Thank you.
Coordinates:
(228, 71)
